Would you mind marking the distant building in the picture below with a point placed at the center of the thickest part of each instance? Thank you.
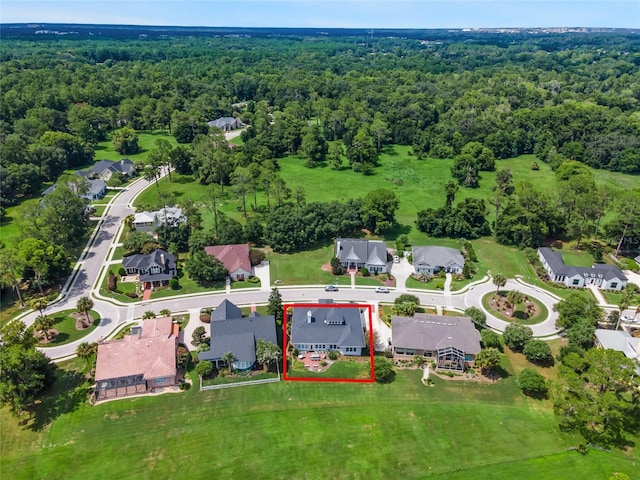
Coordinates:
(97, 190)
(104, 169)
(621, 341)
(149, 221)
(355, 253)
(226, 123)
(235, 258)
(431, 260)
(602, 275)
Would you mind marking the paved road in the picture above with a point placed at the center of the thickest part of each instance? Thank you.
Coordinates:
(113, 314)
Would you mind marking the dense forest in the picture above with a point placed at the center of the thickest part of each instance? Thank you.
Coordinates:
(571, 100)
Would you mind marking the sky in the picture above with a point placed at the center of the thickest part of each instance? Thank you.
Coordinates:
(330, 13)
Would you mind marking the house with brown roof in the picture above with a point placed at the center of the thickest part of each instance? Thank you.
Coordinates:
(235, 258)
(451, 342)
(142, 361)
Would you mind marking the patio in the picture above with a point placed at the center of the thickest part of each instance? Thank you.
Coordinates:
(311, 361)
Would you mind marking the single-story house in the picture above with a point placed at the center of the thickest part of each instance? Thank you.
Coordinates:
(235, 258)
(148, 221)
(355, 253)
(451, 342)
(327, 327)
(140, 362)
(230, 332)
(431, 260)
(621, 341)
(154, 270)
(96, 189)
(602, 275)
(226, 123)
(104, 169)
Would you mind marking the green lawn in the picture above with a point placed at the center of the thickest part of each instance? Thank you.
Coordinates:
(118, 253)
(219, 380)
(99, 210)
(305, 430)
(146, 141)
(303, 268)
(66, 326)
(340, 369)
(519, 314)
(245, 284)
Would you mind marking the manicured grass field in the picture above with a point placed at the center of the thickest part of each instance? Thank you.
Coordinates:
(340, 369)
(146, 141)
(307, 430)
(219, 380)
(303, 268)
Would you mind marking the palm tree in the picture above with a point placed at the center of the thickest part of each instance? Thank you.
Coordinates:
(628, 296)
(86, 351)
(39, 304)
(637, 312)
(43, 324)
(165, 312)
(499, 281)
(128, 221)
(84, 305)
(229, 358)
(514, 297)
(148, 314)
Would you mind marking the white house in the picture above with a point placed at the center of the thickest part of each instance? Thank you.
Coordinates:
(602, 275)
(431, 260)
(149, 221)
(619, 340)
(355, 253)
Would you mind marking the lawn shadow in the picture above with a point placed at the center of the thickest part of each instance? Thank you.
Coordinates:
(68, 392)
(397, 230)
(501, 372)
(183, 179)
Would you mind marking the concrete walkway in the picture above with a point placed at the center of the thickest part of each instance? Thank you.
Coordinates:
(447, 289)
(598, 294)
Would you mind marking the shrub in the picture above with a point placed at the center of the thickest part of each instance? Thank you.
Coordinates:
(204, 368)
(419, 360)
(336, 268)
(490, 339)
(112, 282)
(256, 257)
(184, 386)
(253, 280)
(365, 272)
(122, 272)
(174, 284)
(384, 370)
(132, 295)
(333, 355)
(323, 363)
(531, 382)
(476, 315)
(538, 351)
(535, 166)
(516, 336)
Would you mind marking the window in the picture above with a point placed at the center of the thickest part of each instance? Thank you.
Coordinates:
(160, 381)
(409, 352)
(614, 285)
(576, 281)
(400, 351)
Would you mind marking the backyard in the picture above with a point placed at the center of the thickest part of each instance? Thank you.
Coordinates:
(469, 430)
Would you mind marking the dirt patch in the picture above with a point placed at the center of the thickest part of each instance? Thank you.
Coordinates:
(522, 311)
(53, 333)
(81, 320)
(326, 267)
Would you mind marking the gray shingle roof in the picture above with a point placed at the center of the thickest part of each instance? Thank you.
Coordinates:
(372, 252)
(437, 256)
(238, 335)
(144, 262)
(598, 270)
(621, 341)
(223, 122)
(430, 332)
(226, 311)
(125, 166)
(338, 325)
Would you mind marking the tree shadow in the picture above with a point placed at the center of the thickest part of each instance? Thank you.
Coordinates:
(501, 372)
(68, 392)
(389, 150)
(397, 230)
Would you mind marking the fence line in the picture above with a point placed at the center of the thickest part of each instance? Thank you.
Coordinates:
(238, 384)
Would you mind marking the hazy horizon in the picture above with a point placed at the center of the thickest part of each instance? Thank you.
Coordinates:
(402, 14)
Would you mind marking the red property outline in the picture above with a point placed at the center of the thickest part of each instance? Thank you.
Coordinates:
(328, 305)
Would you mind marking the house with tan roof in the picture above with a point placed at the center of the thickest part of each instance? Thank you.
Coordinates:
(142, 361)
(235, 258)
(451, 342)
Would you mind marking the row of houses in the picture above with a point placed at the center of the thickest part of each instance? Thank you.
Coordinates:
(355, 253)
(145, 359)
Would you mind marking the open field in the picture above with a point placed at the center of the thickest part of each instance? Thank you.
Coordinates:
(146, 141)
(306, 430)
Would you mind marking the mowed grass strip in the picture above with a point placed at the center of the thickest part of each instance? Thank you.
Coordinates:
(301, 430)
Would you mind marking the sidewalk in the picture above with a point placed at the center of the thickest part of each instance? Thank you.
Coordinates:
(596, 293)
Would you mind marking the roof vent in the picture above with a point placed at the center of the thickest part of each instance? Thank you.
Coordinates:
(309, 317)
